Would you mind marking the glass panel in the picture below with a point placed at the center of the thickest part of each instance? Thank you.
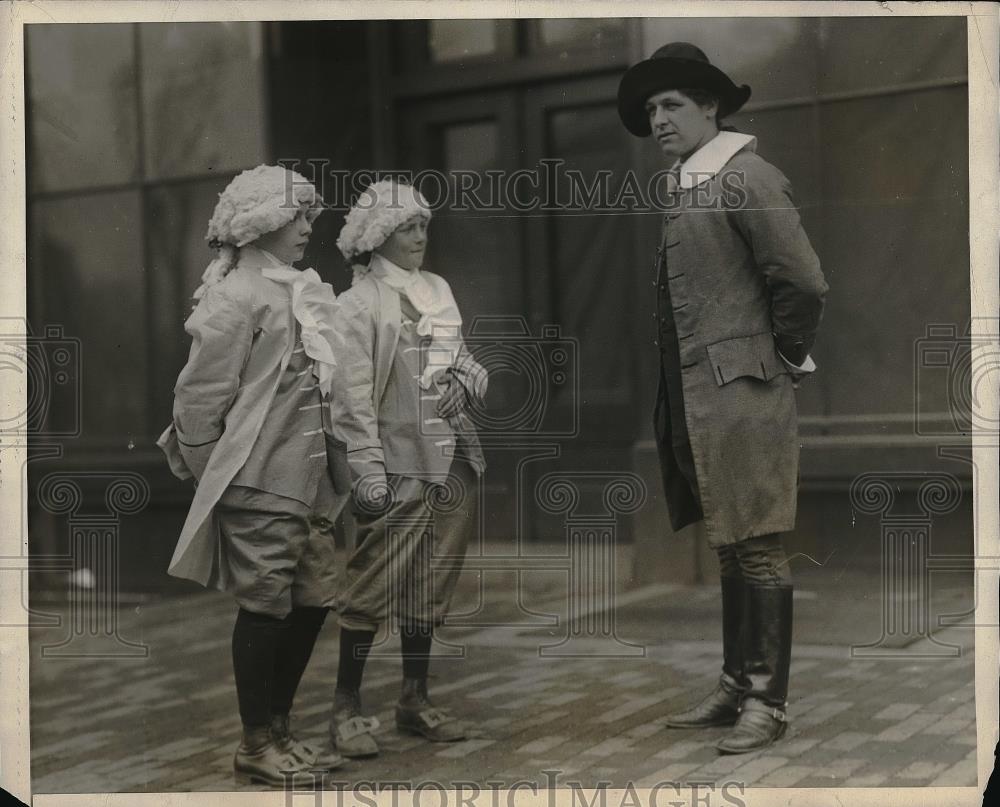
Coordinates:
(864, 52)
(450, 40)
(592, 33)
(470, 146)
(202, 89)
(777, 57)
(87, 256)
(81, 98)
(468, 241)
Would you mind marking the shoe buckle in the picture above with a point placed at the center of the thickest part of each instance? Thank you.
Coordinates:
(779, 715)
(433, 717)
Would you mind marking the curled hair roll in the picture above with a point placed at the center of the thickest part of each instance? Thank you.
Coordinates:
(219, 268)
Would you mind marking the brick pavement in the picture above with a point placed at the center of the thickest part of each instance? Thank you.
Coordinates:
(169, 722)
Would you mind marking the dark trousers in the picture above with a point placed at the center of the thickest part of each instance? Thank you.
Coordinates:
(760, 561)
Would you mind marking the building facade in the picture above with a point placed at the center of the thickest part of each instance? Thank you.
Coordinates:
(134, 129)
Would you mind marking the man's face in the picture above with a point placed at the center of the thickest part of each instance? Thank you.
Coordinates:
(406, 246)
(288, 243)
(679, 125)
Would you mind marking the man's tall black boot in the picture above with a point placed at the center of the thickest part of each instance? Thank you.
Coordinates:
(721, 707)
(768, 655)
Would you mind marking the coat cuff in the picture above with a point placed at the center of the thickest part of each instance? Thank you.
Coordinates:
(366, 461)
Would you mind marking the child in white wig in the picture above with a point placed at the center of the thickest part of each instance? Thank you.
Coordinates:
(407, 383)
(248, 425)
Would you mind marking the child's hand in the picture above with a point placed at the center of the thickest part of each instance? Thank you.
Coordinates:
(196, 458)
(453, 399)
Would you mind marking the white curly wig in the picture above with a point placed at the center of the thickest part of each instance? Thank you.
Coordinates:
(376, 215)
(258, 201)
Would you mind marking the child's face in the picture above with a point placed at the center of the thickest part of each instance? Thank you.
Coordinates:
(288, 243)
(406, 246)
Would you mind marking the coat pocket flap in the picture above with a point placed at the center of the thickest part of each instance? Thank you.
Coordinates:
(754, 356)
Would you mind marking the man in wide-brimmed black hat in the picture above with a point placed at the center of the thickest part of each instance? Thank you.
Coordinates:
(739, 299)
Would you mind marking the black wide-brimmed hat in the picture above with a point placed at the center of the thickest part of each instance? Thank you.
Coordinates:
(679, 65)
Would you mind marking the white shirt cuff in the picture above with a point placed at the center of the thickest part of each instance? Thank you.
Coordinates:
(808, 366)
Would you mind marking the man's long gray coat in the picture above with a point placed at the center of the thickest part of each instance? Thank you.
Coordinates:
(739, 270)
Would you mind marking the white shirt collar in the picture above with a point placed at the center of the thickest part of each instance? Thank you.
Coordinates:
(707, 161)
(261, 258)
(384, 267)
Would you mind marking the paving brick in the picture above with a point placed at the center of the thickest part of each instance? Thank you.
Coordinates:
(755, 768)
(670, 773)
(921, 770)
(679, 750)
(464, 749)
(793, 747)
(786, 776)
(635, 705)
(563, 698)
(722, 765)
(847, 741)
(906, 729)
(608, 747)
(868, 780)
(948, 726)
(645, 730)
(961, 773)
(542, 744)
(897, 711)
(824, 712)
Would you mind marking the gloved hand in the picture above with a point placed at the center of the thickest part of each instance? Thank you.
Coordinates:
(454, 398)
